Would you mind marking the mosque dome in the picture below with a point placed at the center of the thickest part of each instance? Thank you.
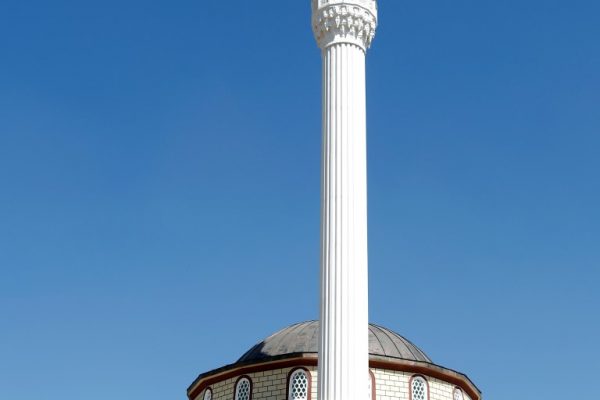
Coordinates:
(284, 366)
(303, 338)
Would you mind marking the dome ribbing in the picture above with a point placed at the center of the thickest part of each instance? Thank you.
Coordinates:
(303, 337)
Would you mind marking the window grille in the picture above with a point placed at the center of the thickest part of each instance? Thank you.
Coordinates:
(242, 389)
(419, 388)
(298, 386)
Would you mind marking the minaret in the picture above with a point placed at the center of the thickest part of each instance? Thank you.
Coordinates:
(344, 30)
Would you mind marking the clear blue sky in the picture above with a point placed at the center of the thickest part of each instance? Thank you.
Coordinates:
(159, 189)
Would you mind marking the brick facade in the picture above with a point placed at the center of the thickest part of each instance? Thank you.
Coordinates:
(394, 385)
(272, 385)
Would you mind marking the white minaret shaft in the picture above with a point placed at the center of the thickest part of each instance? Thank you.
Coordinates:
(344, 30)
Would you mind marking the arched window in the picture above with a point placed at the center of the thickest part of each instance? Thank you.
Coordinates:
(208, 394)
(299, 385)
(371, 386)
(419, 388)
(458, 394)
(243, 389)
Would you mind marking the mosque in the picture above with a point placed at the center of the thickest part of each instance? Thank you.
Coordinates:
(341, 356)
(284, 367)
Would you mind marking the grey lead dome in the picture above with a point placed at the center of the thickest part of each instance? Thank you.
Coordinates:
(303, 337)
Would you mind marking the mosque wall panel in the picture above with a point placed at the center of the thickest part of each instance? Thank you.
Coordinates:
(272, 385)
(266, 385)
(394, 385)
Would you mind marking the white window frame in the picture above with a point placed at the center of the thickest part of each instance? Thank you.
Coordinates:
(293, 375)
(425, 385)
(371, 386)
(238, 385)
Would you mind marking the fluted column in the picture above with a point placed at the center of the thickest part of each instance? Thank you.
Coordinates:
(344, 30)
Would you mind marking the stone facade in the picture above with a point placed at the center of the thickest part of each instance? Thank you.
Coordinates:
(272, 385)
(266, 385)
(394, 385)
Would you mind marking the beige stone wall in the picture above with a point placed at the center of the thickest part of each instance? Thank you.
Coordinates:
(394, 385)
(271, 385)
(267, 385)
